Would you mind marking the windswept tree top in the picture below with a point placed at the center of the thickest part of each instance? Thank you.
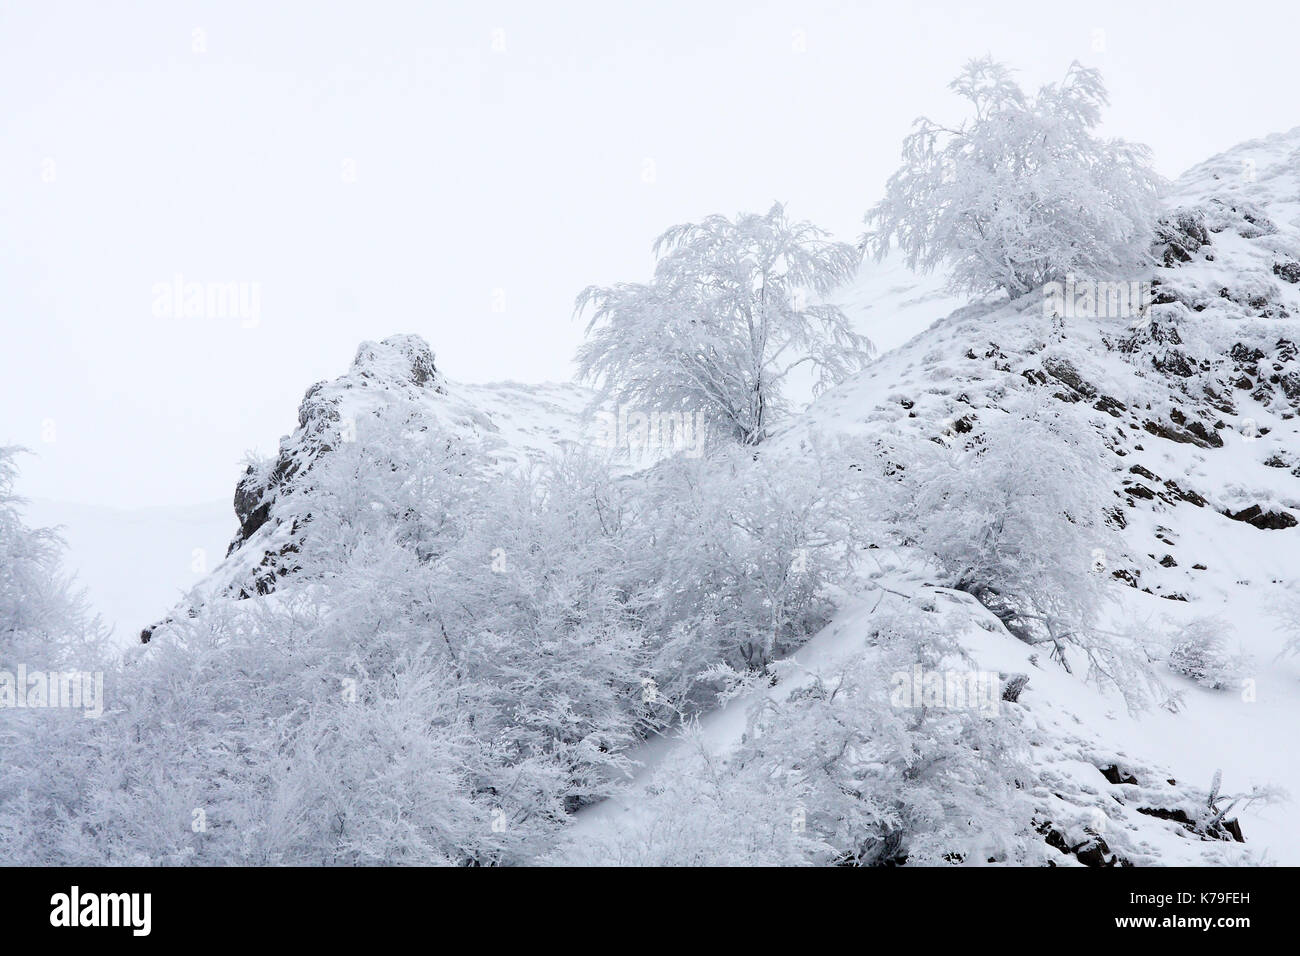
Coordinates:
(1024, 192)
(724, 320)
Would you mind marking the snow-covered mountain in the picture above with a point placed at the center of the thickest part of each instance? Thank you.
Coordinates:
(1197, 401)
(1195, 398)
(516, 424)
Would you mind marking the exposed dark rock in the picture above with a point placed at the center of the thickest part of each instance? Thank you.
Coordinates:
(1013, 686)
(1289, 271)
(1180, 235)
(1111, 406)
(1290, 383)
(253, 500)
(1195, 434)
(1116, 776)
(1054, 838)
(1205, 828)
(1265, 520)
(1178, 816)
(1094, 853)
(1174, 362)
(1066, 373)
(1219, 402)
(1191, 497)
(1246, 355)
(1208, 439)
(1128, 577)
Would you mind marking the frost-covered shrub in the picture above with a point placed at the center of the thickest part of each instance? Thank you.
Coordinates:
(44, 619)
(1287, 611)
(884, 784)
(735, 558)
(835, 771)
(699, 812)
(1200, 652)
(45, 629)
(1012, 512)
(455, 657)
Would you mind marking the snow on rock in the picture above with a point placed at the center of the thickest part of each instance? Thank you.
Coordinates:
(516, 424)
(1198, 399)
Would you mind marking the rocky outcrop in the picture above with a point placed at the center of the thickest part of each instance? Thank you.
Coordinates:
(1180, 236)
(400, 360)
(1267, 520)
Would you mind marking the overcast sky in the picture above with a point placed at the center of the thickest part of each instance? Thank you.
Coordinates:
(461, 171)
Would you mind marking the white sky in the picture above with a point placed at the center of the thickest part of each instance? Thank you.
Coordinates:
(128, 157)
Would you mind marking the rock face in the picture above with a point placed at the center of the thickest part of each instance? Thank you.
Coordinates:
(397, 362)
(1265, 520)
(1180, 236)
(1197, 399)
(514, 425)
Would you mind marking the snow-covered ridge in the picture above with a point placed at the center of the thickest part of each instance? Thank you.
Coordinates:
(1198, 402)
(516, 424)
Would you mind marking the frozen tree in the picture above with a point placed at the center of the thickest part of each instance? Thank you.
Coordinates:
(1200, 652)
(454, 659)
(833, 769)
(736, 556)
(733, 307)
(42, 615)
(1012, 510)
(1287, 610)
(45, 628)
(528, 632)
(1022, 193)
(885, 783)
(992, 502)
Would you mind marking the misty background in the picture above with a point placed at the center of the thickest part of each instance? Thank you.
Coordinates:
(460, 171)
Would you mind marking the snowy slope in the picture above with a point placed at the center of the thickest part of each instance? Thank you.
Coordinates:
(522, 422)
(1197, 402)
(1199, 406)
